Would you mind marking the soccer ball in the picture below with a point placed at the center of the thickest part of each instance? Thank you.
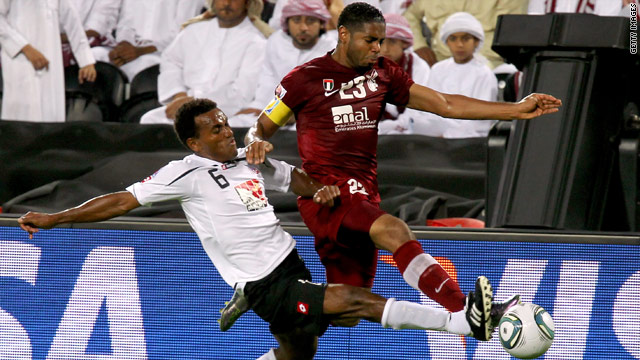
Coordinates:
(526, 331)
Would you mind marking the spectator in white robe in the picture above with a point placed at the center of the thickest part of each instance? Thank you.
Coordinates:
(302, 38)
(99, 18)
(32, 58)
(218, 59)
(254, 12)
(397, 46)
(465, 73)
(596, 7)
(144, 29)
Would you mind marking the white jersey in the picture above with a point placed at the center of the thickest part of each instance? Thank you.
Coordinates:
(226, 205)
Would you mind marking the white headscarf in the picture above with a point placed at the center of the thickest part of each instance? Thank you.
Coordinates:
(462, 22)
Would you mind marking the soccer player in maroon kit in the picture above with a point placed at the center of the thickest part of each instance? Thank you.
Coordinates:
(337, 101)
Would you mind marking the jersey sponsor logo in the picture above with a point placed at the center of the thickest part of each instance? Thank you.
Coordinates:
(345, 114)
(280, 91)
(252, 194)
(149, 177)
(302, 308)
(346, 119)
(327, 84)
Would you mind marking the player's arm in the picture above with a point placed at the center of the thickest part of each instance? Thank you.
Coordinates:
(462, 107)
(275, 115)
(97, 209)
(304, 185)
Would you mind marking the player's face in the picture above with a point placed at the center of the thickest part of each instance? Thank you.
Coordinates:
(393, 49)
(214, 138)
(363, 47)
(230, 11)
(462, 46)
(304, 31)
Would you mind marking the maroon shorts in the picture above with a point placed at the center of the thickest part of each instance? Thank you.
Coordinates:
(342, 236)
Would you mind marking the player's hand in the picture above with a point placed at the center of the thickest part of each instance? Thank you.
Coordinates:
(32, 222)
(37, 59)
(535, 105)
(326, 195)
(257, 151)
(87, 73)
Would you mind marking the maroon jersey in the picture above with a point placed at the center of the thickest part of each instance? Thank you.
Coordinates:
(337, 110)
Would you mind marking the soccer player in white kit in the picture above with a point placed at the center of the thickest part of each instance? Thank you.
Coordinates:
(223, 197)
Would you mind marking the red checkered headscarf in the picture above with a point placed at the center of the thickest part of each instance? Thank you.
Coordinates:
(398, 28)
(315, 8)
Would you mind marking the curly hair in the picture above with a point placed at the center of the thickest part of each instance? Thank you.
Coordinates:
(185, 122)
(355, 15)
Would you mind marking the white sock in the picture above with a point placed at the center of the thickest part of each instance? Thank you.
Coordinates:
(416, 267)
(270, 355)
(458, 324)
(408, 315)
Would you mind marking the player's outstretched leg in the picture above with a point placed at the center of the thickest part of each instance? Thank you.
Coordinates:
(419, 270)
(348, 302)
(234, 308)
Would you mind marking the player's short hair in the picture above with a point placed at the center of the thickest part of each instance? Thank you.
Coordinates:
(355, 15)
(185, 122)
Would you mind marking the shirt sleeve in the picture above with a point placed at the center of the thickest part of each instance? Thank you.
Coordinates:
(169, 183)
(72, 25)
(11, 40)
(289, 95)
(399, 84)
(277, 174)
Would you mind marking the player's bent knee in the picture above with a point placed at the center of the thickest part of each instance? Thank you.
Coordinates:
(390, 232)
(349, 304)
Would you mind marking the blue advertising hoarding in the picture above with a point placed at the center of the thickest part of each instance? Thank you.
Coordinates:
(131, 294)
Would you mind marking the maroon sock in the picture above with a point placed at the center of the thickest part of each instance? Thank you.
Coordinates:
(428, 276)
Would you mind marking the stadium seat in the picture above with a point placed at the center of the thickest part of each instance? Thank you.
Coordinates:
(107, 92)
(456, 222)
(145, 81)
(82, 106)
(143, 95)
(133, 109)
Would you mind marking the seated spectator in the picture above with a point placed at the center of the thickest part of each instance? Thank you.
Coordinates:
(463, 74)
(99, 18)
(254, 12)
(144, 29)
(32, 58)
(217, 59)
(398, 47)
(301, 39)
(437, 11)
